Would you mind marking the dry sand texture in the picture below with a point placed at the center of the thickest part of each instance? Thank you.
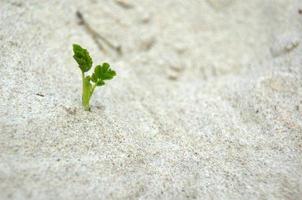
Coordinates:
(207, 103)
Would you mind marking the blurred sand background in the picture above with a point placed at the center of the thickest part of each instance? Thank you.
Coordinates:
(207, 103)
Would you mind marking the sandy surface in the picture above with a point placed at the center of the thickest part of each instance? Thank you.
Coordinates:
(207, 103)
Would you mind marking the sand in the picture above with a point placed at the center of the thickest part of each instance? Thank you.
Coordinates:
(207, 103)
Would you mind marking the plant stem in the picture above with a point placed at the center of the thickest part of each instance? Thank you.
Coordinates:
(86, 94)
(92, 89)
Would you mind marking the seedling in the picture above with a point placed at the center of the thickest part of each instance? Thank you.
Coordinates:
(98, 77)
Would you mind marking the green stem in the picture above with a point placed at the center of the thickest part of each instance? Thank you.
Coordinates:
(86, 94)
(92, 89)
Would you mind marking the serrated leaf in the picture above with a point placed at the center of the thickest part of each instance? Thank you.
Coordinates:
(98, 71)
(105, 67)
(94, 78)
(100, 83)
(106, 73)
(82, 57)
(102, 73)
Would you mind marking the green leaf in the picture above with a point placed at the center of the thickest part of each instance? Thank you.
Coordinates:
(97, 71)
(100, 83)
(82, 57)
(93, 78)
(102, 73)
(105, 73)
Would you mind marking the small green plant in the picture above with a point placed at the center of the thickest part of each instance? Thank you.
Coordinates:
(98, 77)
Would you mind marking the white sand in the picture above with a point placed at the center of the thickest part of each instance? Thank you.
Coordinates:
(207, 103)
